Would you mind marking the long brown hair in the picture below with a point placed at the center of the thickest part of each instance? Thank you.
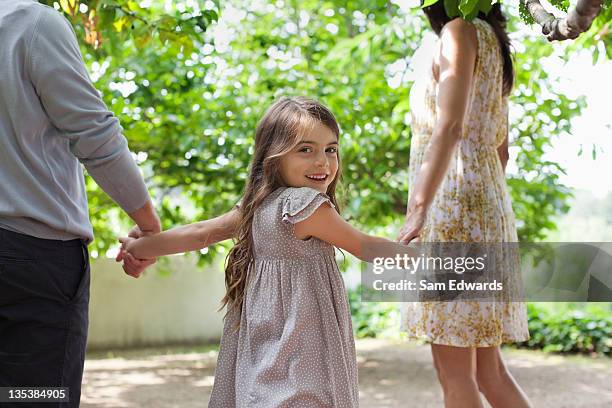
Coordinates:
(280, 130)
(436, 14)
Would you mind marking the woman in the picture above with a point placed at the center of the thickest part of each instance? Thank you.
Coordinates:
(458, 194)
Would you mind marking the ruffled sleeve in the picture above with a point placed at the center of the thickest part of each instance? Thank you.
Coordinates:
(301, 203)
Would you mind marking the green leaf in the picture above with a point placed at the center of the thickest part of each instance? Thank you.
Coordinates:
(524, 13)
(452, 8)
(467, 7)
(485, 5)
(428, 3)
(133, 5)
(472, 15)
(143, 39)
(69, 6)
(120, 24)
(106, 16)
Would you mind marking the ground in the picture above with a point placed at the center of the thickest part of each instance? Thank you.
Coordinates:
(391, 374)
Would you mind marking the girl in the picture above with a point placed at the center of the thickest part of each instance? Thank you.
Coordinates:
(287, 340)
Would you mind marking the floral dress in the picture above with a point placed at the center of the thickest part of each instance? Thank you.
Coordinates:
(471, 205)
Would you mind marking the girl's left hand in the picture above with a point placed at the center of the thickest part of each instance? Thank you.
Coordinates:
(131, 265)
(123, 251)
(415, 219)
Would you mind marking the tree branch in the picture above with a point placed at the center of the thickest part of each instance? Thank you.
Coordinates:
(577, 21)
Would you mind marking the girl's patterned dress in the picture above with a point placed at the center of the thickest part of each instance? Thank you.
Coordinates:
(295, 344)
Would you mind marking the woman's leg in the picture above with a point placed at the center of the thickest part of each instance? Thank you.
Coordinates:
(496, 382)
(456, 368)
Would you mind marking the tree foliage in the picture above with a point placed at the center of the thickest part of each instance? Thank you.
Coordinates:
(531, 11)
(189, 93)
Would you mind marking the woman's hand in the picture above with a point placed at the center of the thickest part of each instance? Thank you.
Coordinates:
(415, 219)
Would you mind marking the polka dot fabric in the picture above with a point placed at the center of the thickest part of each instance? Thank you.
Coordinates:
(294, 347)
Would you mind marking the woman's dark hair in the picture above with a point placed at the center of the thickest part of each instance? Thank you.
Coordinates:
(436, 14)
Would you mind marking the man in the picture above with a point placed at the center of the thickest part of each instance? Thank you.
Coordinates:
(52, 118)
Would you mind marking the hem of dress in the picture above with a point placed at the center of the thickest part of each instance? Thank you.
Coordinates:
(432, 340)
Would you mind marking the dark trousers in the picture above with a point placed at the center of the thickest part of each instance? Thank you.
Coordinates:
(44, 299)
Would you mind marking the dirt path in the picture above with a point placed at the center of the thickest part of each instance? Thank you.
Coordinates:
(390, 375)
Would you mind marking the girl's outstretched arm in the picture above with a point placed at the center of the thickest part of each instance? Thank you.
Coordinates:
(185, 238)
(327, 225)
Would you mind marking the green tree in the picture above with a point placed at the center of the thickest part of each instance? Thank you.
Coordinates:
(189, 93)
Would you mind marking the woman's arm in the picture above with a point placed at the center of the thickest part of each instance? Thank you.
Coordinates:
(459, 46)
(502, 151)
(184, 238)
(327, 225)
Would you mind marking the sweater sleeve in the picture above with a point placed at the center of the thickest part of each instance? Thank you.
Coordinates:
(76, 109)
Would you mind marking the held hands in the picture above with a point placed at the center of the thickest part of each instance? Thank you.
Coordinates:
(131, 265)
(415, 219)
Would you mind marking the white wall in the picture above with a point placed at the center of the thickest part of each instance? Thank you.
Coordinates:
(155, 309)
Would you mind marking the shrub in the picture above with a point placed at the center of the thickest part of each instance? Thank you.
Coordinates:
(569, 331)
(554, 327)
(373, 319)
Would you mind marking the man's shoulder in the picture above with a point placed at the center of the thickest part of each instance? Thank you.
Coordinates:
(34, 7)
(26, 10)
(31, 15)
(51, 21)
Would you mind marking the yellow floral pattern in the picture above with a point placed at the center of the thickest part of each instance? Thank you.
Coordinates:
(471, 205)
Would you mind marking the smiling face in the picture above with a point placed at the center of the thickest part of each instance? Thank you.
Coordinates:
(313, 162)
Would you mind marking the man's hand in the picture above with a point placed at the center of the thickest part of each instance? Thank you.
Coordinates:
(131, 265)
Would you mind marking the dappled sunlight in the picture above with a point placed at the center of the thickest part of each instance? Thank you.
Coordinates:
(391, 374)
(535, 361)
(207, 381)
(121, 364)
(183, 380)
(370, 364)
(595, 390)
(196, 357)
(175, 372)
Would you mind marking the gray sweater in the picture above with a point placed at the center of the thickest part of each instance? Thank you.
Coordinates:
(52, 118)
